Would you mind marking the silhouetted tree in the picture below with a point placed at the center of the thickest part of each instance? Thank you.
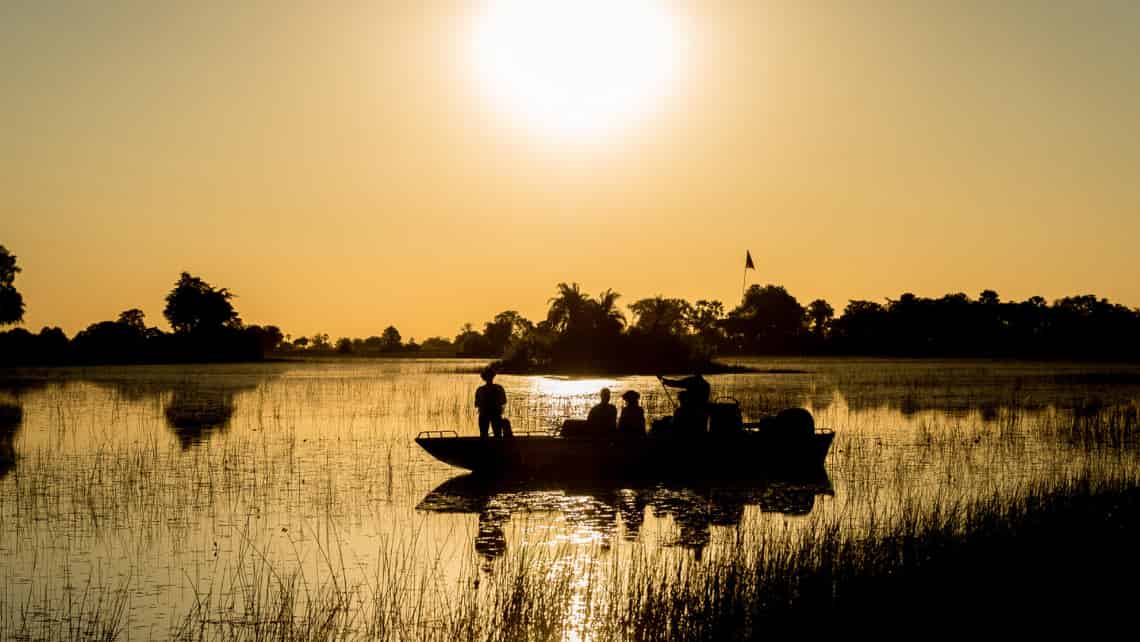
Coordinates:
(194, 306)
(659, 315)
(704, 320)
(436, 344)
(133, 318)
(470, 343)
(607, 318)
(569, 309)
(507, 326)
(768, 320)
(820, 314)
(391, 340)
(344, 345)
(123, 341)
(861, 327)
(11, 302)
(268, 338)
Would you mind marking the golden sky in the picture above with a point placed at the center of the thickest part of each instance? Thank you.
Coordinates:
(338, 166)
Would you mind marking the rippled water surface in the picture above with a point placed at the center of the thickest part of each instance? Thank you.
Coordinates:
(171, 485)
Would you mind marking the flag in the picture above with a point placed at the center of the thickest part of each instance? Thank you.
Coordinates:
(748, 264)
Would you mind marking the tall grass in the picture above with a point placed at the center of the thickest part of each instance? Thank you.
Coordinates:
(1061, 544)
(927, 467)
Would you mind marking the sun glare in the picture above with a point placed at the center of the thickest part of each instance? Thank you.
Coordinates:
(577, 70)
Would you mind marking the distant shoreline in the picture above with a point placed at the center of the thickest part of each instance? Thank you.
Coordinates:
(713, 369)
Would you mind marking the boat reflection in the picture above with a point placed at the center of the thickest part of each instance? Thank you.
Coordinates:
(592, 509)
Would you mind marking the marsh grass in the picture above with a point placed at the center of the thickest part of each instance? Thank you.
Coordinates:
(935, 473)
(1062, 544)
(93, 614)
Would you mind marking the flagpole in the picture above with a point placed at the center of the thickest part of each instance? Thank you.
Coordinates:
(744, 279)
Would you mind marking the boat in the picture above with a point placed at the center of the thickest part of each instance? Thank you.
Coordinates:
(757, 450)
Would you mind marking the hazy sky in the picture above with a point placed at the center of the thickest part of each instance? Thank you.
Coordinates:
(335, 164)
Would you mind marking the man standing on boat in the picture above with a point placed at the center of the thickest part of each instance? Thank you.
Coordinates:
(691, 415)
(490, 398)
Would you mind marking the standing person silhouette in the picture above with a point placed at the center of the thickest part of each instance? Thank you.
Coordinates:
(691, 417)
(490, 398)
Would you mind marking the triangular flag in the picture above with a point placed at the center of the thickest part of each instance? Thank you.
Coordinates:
(748, 264)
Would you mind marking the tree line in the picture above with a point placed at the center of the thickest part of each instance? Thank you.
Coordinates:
(204, 327)
(582, 332)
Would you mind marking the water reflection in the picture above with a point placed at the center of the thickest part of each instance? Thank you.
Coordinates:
(11, 416)
(194, 409)
(594, 510)
(195, 413)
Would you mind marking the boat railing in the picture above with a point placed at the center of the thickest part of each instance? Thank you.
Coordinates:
(436, 434)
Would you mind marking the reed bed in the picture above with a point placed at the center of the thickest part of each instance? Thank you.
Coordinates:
(957, 487)
(989, 557)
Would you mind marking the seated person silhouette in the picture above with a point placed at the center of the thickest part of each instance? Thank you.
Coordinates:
(490, 398)
(632, 420)
(603, 417)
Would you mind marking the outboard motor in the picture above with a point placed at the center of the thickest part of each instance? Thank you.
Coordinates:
(725, 417)
(789, 426)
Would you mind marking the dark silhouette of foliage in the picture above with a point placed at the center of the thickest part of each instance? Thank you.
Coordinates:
(769, 320)
(267, 338)
(659, 315)
(122, 341)
(820, 314)
(436, 344)
(507, 327)
(195, 306)
(582, 333)
(390, 339)
(469, 343)
(11, 302)
(704, 321)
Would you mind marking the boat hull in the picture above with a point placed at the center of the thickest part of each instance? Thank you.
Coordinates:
(745, 453)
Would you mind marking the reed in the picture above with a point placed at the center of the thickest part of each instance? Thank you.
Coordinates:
(941, 472)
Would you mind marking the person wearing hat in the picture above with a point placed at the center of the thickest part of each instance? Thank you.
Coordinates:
(490, 399)
(632, 421)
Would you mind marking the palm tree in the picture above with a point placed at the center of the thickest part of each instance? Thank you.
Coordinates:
(608, 316)
(568, 309)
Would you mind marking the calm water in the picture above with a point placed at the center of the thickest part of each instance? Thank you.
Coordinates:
(171, 484)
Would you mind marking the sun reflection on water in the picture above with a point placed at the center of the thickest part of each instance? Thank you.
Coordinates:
(570, 387)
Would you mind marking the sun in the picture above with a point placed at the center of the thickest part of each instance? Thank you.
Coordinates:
(576, 70)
